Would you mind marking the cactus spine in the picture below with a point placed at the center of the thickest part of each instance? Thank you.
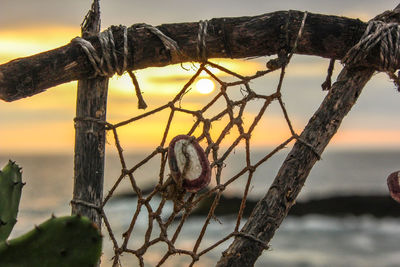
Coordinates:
(10, 195)
(62, 242)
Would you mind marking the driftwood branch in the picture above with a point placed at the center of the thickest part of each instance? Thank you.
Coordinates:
(241, 37)
(89, 135)
(270, 211)
(274, 206)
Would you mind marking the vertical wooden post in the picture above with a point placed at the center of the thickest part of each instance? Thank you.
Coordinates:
(89, 135)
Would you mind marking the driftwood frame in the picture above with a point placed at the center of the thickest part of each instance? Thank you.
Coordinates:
(324, 36)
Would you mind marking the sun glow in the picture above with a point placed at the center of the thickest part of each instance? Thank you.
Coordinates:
(205, 86)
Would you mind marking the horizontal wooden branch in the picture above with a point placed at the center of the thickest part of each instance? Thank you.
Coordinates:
(241, 37)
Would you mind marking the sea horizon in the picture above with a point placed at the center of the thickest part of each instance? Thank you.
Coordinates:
(310, 240)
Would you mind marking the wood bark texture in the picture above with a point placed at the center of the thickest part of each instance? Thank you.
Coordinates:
(90, 136)
(241, 37)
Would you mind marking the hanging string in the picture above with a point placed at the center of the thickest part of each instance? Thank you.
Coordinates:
(327, 84)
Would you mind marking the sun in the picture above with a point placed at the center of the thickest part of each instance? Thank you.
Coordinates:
(205, 86)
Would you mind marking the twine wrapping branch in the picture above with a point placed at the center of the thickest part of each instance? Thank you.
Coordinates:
(381, 36)
(201, 41)
(105, 64)
(91, 53)
(170, 44)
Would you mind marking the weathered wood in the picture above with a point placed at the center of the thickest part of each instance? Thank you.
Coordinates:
(241, 37)
(270, 211)
(90, 136)
(274, 206)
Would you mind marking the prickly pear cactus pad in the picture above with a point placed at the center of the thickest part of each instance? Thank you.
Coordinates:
(58, 242)
(10, 195)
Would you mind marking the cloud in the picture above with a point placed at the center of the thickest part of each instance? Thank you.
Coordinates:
(25, 41)
(376, 138)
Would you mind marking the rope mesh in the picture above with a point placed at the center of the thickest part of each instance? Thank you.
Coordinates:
(165, 224)
(160, 216)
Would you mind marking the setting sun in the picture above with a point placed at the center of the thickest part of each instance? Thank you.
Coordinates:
(205, 86)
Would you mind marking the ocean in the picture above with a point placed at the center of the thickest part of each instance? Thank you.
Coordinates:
(311, 240)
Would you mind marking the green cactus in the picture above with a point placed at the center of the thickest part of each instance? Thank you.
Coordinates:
(10, 195)
(64, 241)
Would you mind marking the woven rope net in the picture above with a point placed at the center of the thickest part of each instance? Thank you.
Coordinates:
(165, 223)
(221, 126)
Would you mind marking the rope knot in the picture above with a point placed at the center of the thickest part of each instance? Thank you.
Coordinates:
(107, 63)
(383, 37)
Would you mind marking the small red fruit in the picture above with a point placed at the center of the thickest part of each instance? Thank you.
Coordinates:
(393, 182)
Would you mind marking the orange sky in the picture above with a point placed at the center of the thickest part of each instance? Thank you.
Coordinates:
(43, 123)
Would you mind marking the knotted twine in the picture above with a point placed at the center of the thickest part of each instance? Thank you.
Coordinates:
(382, 36)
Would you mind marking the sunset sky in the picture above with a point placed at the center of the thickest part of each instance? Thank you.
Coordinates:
(44, 123)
